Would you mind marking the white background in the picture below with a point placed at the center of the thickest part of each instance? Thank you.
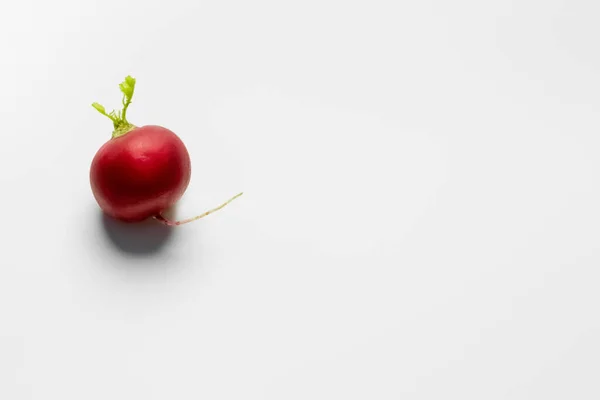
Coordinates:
(421, 217)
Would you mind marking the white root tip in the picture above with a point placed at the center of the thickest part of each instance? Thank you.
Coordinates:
(168, 222)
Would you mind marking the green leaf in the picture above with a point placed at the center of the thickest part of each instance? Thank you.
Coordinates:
(130, 81)
(127, 87)
(99, 107)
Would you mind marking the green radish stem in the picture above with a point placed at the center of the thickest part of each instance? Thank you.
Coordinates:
(168, 222)
(119, 118)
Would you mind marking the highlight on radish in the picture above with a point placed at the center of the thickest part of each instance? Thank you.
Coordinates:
(141, 171)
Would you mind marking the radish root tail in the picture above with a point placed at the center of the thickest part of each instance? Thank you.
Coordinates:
(168, 222)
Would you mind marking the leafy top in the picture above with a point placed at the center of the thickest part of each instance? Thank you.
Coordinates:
(119, 118)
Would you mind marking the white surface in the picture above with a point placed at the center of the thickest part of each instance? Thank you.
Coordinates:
(421, 217)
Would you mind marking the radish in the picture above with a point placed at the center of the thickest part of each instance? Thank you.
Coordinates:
(141, 171)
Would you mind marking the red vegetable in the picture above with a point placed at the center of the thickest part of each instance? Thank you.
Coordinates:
(141, 171)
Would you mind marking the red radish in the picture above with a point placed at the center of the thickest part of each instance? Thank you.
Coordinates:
(141, 171)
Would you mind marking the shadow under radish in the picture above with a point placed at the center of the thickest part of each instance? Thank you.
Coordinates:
(140, 238)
